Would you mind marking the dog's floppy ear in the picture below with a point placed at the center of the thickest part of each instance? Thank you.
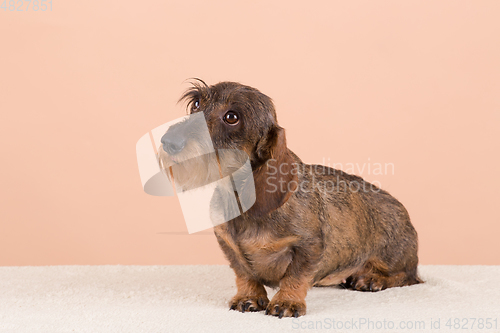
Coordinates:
(275, 177)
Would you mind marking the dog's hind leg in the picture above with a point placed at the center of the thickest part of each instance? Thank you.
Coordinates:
(375, 276)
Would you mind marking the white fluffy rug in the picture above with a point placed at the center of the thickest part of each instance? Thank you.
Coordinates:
(194, 299)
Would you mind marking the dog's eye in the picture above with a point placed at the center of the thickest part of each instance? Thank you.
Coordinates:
(196, 105)
(231, 118)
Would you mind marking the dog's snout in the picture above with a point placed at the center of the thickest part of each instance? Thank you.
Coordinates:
(173, 144)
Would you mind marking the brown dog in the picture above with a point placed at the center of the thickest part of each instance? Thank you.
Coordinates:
(310, 225)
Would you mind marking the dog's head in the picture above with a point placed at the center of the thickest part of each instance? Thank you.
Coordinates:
(238, 117)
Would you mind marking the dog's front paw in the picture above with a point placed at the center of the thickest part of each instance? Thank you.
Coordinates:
(249, 303)
(285, 308)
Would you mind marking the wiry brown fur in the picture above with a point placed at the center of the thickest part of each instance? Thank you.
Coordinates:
(301, 236)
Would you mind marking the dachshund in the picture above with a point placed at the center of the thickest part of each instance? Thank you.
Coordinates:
(309, 225)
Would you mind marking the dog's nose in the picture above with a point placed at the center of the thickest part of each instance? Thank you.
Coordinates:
(173, 144)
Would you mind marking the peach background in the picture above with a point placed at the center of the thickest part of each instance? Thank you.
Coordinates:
(413, 83)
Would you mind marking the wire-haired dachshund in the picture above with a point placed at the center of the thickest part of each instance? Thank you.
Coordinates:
(310, 225)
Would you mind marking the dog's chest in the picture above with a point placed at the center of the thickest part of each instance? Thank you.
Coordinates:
(266, 255)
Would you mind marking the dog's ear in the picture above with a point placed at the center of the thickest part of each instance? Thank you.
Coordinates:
(275, 178)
